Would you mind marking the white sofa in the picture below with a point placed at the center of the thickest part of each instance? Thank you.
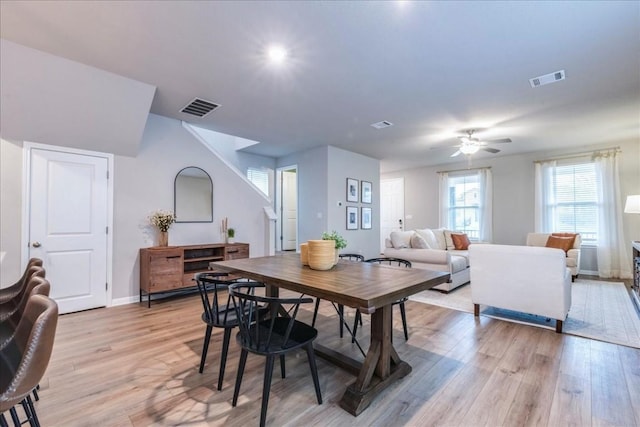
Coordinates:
(439, 255)
(527, 279)
(573, 255)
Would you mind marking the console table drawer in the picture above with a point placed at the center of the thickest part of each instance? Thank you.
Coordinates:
(236, 252)
(158, 283)
(166, 265)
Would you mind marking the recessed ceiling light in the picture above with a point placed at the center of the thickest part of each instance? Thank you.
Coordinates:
(277, 54)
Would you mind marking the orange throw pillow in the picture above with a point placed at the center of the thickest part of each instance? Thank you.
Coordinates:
(564, 243)
(572, 235)
(460, 241)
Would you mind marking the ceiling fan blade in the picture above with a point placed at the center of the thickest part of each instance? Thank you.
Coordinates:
(499, 140)
(491, 150)
(456, 153)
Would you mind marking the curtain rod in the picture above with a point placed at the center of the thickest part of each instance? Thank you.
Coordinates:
(578, 155)
(462, 170)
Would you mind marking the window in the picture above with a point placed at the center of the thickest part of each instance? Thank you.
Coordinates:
(464, 206)
(260, 178)
(465, 203)
(568, 198)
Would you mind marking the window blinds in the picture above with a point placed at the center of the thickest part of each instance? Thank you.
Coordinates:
(260, 178)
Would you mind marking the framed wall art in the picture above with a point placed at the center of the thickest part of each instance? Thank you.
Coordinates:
(352, 218)
(352, 190)
(365, 193)
(365, 221)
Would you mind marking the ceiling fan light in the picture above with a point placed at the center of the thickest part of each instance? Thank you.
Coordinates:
(469, 149)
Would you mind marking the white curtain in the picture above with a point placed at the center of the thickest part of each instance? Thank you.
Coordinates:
(443, 214)
(545, 197)
(612, 257)
(486, 208)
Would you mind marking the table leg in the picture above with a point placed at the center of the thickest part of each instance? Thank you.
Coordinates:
(382, 366)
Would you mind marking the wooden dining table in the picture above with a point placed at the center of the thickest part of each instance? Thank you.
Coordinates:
(370, 288)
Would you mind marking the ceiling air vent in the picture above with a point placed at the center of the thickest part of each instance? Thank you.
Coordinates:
(547, 78)
(381, 125)
(199, 107)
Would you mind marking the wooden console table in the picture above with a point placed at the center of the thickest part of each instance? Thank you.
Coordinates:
(171, 268)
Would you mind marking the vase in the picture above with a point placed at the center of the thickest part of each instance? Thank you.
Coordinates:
(304, 253)
(163, 238)
(322, 254)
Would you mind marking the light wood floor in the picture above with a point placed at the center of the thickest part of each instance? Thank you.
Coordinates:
(134, 366)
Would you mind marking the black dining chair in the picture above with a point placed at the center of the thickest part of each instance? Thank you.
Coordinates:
(348, 257)
(276, 335)
(397, 262)
(218, 312)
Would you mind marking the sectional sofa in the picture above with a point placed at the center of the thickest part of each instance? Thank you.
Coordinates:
(432, 249)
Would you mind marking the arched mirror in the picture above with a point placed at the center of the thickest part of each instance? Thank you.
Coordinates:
(193, 196)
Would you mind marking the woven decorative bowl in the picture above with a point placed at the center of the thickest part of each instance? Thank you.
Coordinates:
(322, 254)
(304, 253)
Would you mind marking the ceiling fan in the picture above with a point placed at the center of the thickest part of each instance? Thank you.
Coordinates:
(470, 145)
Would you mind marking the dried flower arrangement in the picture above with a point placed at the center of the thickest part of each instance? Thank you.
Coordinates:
(162, 219)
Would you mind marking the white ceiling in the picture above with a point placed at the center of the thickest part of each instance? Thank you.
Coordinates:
(431, 68)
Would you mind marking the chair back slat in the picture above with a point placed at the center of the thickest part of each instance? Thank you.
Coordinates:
(352, 257)
(211, 286)
(287, 333)
(398, 262)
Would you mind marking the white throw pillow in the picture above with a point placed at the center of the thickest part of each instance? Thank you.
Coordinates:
(401, 239)
(449, 240)
(429, 237)
(442, 243)
(418, 242)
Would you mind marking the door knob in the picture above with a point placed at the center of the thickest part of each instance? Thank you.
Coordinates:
(36, 244)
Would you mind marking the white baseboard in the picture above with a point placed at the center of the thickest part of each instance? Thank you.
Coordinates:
(126, 300)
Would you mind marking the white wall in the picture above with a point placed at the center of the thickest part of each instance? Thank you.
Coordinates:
(10, 210)
(513, 190)
(322, 180)
(143, 184)
(226, 146)
(312, 190)
(342, 165)
(47, 97)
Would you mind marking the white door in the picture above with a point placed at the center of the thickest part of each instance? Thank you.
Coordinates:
(68, 203)
(289, 210)
(391, 207)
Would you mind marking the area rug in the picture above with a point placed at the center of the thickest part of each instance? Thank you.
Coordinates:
(599, 310)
